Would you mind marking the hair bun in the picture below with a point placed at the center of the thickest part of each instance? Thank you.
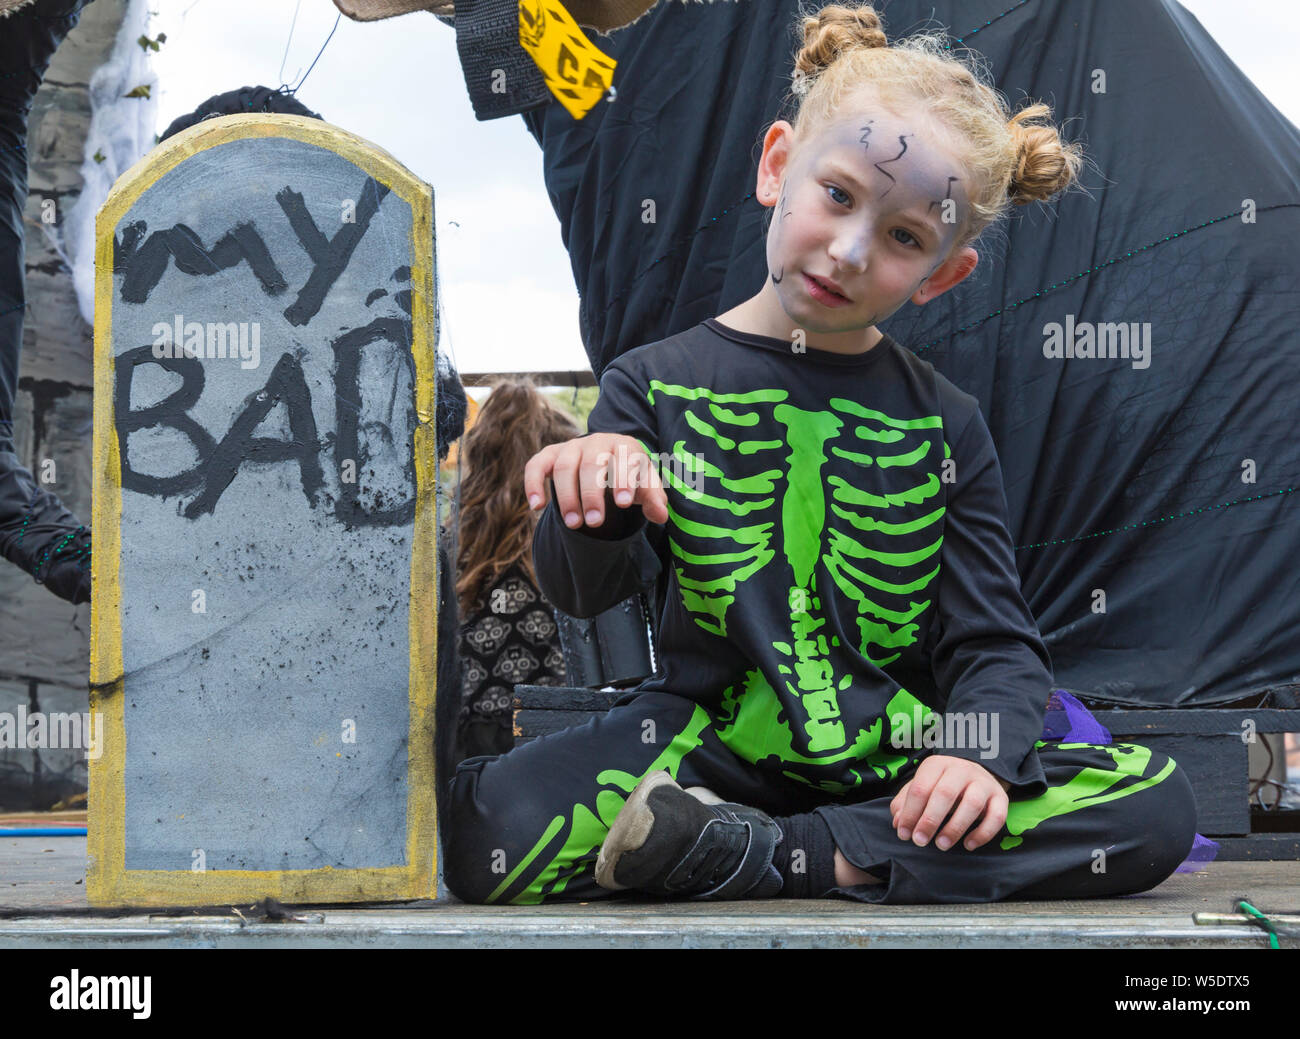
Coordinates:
(1043, 164)
(828, 34)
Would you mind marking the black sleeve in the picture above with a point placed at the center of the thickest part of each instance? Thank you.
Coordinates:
(989, 657)
(588, 570)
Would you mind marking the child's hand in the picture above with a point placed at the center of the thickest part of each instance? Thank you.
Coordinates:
(586, 468)
(940, 783)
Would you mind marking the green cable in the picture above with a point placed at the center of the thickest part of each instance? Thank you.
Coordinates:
(1265, 922)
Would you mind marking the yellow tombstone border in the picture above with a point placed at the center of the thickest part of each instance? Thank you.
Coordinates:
(108, 882)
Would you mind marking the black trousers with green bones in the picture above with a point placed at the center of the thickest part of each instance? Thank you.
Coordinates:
(525, 827)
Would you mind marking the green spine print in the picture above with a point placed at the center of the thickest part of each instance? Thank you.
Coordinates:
(751, 727)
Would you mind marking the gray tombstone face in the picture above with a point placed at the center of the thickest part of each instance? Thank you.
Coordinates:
(264, 523)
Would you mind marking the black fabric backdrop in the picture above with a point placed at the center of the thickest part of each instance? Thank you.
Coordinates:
(1120, 479)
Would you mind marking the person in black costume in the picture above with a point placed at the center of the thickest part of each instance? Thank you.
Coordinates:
(37, 532)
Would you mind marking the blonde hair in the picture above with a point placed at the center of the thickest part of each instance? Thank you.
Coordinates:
(1011, 159)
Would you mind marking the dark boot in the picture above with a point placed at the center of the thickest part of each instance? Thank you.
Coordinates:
(40, 536)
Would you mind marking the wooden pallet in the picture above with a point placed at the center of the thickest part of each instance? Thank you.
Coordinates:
(72, 819)
(1212, 747)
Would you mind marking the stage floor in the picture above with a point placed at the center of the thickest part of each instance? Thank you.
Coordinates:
(43, 905)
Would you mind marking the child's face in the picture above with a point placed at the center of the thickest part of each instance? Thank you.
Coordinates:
(874, 202)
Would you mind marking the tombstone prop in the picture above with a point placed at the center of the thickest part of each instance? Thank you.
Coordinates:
(264, 610)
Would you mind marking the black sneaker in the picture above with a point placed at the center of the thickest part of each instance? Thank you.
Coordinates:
(667, 842)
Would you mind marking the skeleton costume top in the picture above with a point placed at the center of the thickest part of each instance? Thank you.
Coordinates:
(836, 562)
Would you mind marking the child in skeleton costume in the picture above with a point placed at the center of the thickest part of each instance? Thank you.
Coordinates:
(851, 690)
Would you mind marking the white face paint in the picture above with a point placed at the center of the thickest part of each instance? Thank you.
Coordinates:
(863, 204)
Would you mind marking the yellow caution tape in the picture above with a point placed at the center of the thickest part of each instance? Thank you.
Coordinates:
(575, 70)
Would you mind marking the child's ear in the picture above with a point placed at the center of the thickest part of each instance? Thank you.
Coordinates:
(772, 166)
(951, 272)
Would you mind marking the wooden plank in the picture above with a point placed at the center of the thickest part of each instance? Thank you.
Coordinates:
(76, 817)
(263, 639)
(1197, 720)
(552, 379)
(543, 723)
(1259, 847)
(605, 925)
(565, 698)
(1218, 770)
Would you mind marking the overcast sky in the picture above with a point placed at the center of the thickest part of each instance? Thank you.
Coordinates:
(509, 302)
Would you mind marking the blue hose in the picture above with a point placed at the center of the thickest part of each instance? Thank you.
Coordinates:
(45, 831)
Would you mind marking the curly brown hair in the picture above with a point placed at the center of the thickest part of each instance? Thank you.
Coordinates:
(496, 524)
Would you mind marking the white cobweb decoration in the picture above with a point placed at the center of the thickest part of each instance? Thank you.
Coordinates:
(122, 131)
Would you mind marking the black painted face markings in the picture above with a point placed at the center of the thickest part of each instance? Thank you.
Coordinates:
(783, 204)
(946, 195)
(902, 140)
(865, 140)
(934, 267)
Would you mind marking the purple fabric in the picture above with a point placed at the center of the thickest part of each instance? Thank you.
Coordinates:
(1067, 720)
(1202, 853)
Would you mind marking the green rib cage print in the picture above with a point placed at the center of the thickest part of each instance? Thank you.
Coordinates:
(741, 503)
